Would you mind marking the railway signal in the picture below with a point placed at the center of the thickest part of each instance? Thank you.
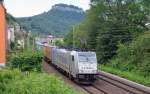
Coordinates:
(2, 35)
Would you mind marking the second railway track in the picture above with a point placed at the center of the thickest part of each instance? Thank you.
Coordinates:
(125, 85)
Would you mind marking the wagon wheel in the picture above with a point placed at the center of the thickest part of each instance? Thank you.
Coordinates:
(71, 77)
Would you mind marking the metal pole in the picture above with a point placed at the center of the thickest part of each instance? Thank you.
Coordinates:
(73, 37)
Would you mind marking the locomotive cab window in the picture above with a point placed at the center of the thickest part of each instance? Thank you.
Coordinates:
(72, 58)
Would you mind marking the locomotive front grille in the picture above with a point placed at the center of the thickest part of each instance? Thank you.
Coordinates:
(86, 76)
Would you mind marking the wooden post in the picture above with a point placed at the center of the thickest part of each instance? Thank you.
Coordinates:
(2, 35)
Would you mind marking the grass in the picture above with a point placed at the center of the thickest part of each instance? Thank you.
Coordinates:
(127, 75)
(16, 82)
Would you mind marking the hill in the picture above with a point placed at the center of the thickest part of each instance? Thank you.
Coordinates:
(56, 21)
(10, 19)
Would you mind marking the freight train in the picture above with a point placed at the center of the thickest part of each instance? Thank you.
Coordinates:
(80, 66)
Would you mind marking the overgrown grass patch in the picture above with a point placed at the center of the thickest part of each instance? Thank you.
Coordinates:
(126, 74)
(16, 82)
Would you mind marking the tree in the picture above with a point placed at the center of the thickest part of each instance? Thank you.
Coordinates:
(68, 40)
(110, 22)
(135, 56)
(77, 38)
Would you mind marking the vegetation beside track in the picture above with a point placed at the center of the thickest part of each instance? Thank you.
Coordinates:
(26, 60)
(132, 61)
(133, 76)
(24, 76)
(17, 82)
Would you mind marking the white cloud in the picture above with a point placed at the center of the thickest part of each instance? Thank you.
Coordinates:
(23, 8)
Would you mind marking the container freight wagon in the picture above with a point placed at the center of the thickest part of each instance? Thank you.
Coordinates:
(2, 35)
(47, 53)
(54, 55)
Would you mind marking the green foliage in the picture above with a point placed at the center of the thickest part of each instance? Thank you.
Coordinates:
(10, 19)
(120, 20)
(108, 23)
(12, 45)
(26, 61)
(55, 22)
(15, 82)
(69, 39)
(6, 76)
(133, 76)
(135, 56)
(76, 38)
(107, 42)
(58, 43)
(95, 24)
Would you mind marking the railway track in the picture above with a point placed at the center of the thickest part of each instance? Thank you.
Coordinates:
(109, 84)
(125, 85)
(105, 84)
(93, 90)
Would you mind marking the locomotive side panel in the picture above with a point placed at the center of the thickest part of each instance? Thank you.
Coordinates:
(62, 60)
(73, 63)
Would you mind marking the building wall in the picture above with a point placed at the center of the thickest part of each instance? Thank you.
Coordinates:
(2, 36)
(17, 35)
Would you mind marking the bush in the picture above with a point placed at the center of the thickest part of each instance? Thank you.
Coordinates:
(7, 76)
(15, 82)
(135, 56)
(26, 61)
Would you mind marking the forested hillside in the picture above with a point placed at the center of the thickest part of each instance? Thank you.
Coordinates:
(10, 19)
(56, 21)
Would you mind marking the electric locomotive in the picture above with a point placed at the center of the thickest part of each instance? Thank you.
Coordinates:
(80, 66)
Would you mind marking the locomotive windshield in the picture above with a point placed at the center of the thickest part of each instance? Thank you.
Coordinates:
(87, 57)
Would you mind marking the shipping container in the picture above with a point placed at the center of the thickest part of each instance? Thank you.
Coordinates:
(48, 52)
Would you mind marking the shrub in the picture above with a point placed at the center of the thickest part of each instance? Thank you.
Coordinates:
(135, 56)
(15, 82)
(27, 61)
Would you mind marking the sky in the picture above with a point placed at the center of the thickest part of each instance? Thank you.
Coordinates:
(26, 8)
